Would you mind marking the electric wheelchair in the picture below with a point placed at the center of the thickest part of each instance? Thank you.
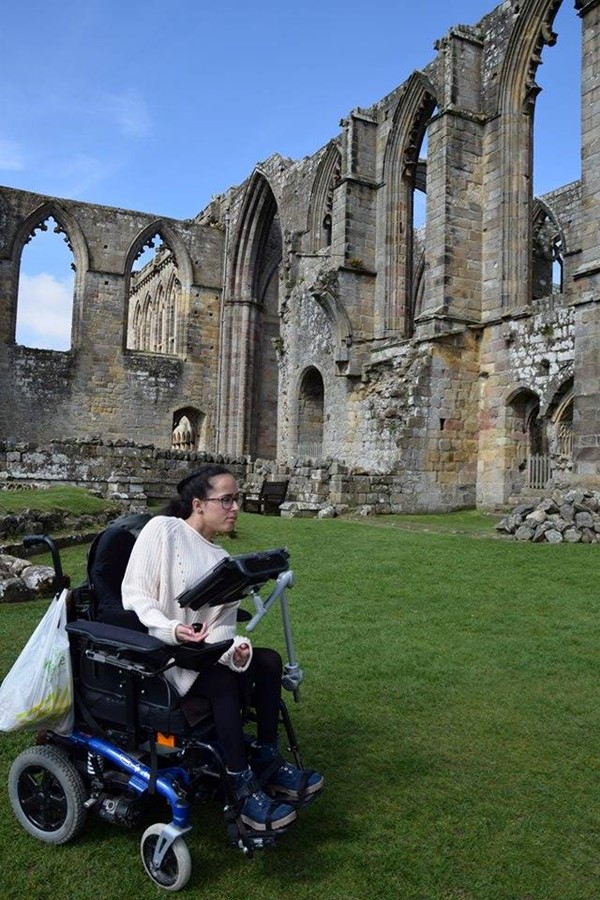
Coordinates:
(131, 740)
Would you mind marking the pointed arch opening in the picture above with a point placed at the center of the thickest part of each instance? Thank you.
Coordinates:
(154, 277)
(405, 179)
(46, 288)
(560, 427)
(251, 334)
(158, 278)
(311, 414)
(320, 213)
(518, 92)
(528, 463)
(50, 261)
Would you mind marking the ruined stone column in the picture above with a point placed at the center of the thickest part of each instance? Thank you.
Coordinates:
(586, 411)
(357, 191)
(454, 190)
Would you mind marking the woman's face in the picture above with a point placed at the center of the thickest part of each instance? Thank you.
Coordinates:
(214, 517)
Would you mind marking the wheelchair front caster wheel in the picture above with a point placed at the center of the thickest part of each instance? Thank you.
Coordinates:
(176, 866)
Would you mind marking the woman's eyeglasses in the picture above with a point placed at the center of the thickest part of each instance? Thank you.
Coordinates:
(227, 501)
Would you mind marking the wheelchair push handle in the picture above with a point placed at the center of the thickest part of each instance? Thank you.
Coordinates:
(33, 540)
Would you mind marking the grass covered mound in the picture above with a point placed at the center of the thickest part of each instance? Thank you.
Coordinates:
(65, 498)
(450, 699)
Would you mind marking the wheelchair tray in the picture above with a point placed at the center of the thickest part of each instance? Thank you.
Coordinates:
(231, 578)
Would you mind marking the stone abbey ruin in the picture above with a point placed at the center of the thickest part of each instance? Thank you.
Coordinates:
(307, 317)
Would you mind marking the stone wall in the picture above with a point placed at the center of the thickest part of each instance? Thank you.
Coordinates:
(100, 384)
(133, 474)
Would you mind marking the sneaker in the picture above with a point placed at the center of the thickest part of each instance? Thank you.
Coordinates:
(281, 778)
(258, 811)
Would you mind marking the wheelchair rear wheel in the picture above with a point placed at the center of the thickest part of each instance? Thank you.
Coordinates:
(47, 794)
(176, 867)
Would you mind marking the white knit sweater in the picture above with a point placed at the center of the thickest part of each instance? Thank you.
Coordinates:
(169, 557)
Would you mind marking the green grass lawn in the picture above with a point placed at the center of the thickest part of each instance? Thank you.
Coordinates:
(451, 700)
(63, 497)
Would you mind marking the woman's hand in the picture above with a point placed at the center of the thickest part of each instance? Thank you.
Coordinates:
(240, 655)
(188, 634)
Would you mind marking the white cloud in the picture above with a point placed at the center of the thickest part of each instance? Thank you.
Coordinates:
(11, 159)
(130, 113)
(44, 311)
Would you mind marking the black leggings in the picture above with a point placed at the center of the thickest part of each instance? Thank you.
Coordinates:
(227, 691)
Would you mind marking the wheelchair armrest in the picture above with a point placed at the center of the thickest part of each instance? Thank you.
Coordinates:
(126, 644)
(121, 641)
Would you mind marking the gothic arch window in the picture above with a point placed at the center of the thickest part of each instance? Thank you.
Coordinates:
(560, 414)
(311, 403)
(327, 226)
(320, 214)
(137, 328)
(153, 297)
(147, 321)
(547, 253)
(564, 430)
(405, 185)
(173, 292)
(160, 320)
(251, 333)
(518, 98)
(416, 187)
(529, 461)
(45, 299)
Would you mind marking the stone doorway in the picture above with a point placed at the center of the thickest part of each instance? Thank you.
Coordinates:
(311, 404)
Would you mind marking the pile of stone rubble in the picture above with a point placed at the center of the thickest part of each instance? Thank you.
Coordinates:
(572, 517)
(20, 580)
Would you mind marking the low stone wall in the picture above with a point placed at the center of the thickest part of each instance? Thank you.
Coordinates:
(572, 517)
(38, 522)
(133, 473)
(127, 472)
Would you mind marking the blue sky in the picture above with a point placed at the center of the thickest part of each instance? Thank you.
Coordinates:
(157, 106)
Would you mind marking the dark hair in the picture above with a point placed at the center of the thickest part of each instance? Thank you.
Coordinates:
(198, 484)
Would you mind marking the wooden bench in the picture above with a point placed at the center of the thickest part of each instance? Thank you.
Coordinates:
(268, 500)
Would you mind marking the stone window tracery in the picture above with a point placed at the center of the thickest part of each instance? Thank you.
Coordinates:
(547, 254)
(183, 437)
(187, 432)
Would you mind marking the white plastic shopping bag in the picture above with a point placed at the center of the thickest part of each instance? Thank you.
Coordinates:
(38, 690)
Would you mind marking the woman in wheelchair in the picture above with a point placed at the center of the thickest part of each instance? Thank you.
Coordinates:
(172, 553)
